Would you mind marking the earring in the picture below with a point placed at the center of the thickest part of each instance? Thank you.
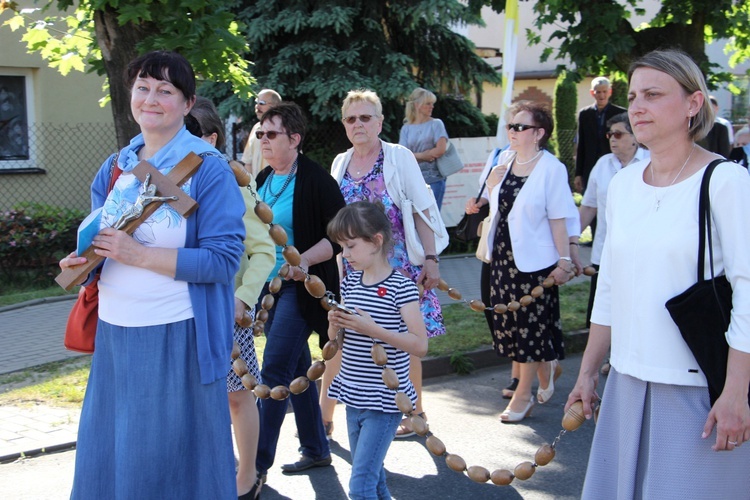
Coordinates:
(690, 121)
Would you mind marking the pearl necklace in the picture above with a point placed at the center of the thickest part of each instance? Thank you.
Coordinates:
(651, 166)
(519, 162)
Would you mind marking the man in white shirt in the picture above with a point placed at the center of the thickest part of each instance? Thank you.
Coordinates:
(251, 156)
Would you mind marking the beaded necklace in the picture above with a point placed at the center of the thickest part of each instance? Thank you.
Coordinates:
(267, 189)
(571, 421)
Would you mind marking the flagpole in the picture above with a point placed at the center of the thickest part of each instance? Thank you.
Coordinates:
(510, 51)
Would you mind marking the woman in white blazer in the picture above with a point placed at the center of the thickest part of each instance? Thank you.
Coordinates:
(535, 226)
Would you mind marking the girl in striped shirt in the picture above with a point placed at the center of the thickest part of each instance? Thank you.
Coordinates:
(386, 311)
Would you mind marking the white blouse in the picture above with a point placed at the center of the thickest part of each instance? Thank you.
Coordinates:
(650, 255)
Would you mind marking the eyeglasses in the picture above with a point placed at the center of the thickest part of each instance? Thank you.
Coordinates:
(363, 118)
(616, 134)
(271, 134)
(519, 127)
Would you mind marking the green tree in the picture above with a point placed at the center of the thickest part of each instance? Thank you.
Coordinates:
(599, 36)
(104, 35)
(564, 113)
(313, 52)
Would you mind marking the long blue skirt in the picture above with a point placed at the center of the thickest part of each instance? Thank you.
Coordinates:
(149, 429)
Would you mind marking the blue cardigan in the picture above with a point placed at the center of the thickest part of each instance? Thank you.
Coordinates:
(209, 260)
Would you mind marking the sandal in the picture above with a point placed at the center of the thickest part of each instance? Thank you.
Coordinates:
(255, 490)
(511, 389)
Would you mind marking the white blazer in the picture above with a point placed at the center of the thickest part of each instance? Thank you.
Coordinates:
(545, 195)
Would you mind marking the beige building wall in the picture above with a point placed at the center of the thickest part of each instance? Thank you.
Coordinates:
(69, 133)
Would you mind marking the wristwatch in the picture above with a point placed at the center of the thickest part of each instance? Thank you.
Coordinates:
(432, 257)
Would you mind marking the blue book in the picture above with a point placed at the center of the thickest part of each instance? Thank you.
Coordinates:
(88, 229)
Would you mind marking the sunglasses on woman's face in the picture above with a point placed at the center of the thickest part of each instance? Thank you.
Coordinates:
(271, 134)
(363, 118)
(616, 134)
(519, 127)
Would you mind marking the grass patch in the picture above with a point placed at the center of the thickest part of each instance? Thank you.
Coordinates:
(62, 383)
(13, 296)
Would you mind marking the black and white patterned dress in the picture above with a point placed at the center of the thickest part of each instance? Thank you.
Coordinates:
(533, 333)
(246, 341)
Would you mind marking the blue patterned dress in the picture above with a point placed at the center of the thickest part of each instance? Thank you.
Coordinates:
(370, 188)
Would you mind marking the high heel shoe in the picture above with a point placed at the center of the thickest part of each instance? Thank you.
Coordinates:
(254, 491)
(513, 417)
(544, 395)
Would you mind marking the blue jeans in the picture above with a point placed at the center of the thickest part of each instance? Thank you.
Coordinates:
(286, 357)
(438, 189)
(370, 435)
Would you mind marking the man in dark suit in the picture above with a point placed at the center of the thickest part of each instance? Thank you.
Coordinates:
(592, 129)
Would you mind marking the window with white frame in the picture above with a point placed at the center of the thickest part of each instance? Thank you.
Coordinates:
(16, 143)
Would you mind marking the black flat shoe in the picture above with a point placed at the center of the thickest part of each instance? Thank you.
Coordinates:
(254, 491)
(305, 463)
(511, 389)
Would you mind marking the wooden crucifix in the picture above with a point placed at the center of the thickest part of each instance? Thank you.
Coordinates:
(168, 189)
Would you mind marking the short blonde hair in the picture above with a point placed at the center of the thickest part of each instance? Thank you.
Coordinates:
(683, 69)
(418, 97)
(600, 80)
(362, 95)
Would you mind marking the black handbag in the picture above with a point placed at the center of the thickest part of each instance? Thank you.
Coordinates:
(467, 228)
(702, 312)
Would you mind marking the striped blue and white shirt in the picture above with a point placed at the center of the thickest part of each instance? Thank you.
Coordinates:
(359, 383)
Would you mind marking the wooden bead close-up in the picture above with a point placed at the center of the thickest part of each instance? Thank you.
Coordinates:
(454, 293)
(249, 381)
(280, 393)
(275, 285)
(284, 270)
(544, 454)
(267, 302)
(477, 305)
(454, 462)
(315, 286)
(443, 285)
(246, 321)
(299, 385)
(262, 316)
(419, 425)
(257, 330)
(478, 474)
(514, 306)
(316, 370)
(264, 212)
(278, 235)
(435, 446)
(390, 378)
(403, 403)
(526, 300)
(537, 291)
(329, 350)
(235, 350)
(548, 282)
(240, 367)
(501, 477)
(574, 417)
(589, 271)
(524, 470)
(240, 174)
(500, 309)
(291, 255)
(262, 391)
(379, 356)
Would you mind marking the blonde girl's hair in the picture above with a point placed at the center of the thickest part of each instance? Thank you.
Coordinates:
(418, 97)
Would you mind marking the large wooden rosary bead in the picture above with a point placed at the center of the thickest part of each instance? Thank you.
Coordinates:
(435, 446)
(262, 391)
(501, 477)
(549, 282)
(329, 350)
(443, 285)
(275, 285)
(267, 302)
(280, 393)
(257, 329)
(379, 356)
(236, 350)
(526, 300)
(589, 271)
(478, 474)
(315, 286)
(242, 175)
(264, 212)
(574, 417)
(455, 462)
(246, 321)
(477, 305)
(249, 381)
(390, 378)
(284, 270)
(404, 403)
(291, 255)
(500, 309)
(524, 470)
(537, 291)
(262, 316)
(240, 367)
(278, 235)
(419, 425)
(316, 370)
(544, 454)
(299, 385)
(514, 306)
(454, 293)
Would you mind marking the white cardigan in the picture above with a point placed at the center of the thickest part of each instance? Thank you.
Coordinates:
(651, 255)
(545, 195)
(400, 171)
